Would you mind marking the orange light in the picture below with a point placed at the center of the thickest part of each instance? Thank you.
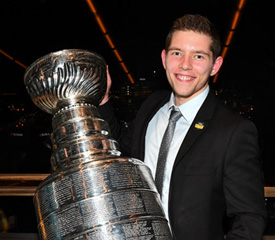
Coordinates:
(109, 41)
(215, 78)
(117, 55)
(108, 38)
(235, 20)
(229, 38)
(233, 26)
(101, 25)
(91, 5)
(130, 77)
(241, 4)
(124, 67)
(224, 51)
(7, 55)
(11, 58)
(21, 64)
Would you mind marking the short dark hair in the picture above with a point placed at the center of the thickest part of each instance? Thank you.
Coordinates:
(199, 24)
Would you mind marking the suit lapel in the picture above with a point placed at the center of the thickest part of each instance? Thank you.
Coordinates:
(198, 126)
(146, 113)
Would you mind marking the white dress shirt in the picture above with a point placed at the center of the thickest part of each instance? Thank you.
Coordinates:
(155, 132)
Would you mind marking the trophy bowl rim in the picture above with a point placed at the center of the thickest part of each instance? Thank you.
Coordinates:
(42, 79)
(59, 53)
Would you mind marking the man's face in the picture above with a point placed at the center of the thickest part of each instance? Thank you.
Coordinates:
(189, 63)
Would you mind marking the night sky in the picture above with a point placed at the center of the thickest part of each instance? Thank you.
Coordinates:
(32, 28)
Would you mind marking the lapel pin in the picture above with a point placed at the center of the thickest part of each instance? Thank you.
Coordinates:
(199, 125)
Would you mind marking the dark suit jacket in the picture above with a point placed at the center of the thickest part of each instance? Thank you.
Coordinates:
(216, 170)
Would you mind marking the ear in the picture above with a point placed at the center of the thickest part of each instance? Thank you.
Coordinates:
(217, 65)
(163, 57)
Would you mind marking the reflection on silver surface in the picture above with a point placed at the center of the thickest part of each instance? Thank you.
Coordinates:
(93, 192)
(61, 78)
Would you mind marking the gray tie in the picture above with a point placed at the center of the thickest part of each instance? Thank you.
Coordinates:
(164, 149)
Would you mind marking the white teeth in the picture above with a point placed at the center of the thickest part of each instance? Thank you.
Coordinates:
(184, 78)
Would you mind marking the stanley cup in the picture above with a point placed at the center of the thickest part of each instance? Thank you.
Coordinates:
(93, 192)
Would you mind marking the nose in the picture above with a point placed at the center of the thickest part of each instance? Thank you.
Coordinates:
(185, 63)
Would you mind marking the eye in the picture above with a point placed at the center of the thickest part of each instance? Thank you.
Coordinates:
(176, 53)
(199, 57)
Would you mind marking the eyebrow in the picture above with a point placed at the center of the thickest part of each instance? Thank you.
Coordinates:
(196, 51)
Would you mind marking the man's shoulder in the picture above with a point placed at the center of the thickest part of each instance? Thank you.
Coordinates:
(156, 100)
(159, 95)
(231, 117)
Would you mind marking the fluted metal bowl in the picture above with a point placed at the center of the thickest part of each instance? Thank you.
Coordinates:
(59, 78)
(93, 192)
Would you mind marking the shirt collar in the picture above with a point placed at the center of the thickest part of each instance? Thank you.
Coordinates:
(191, 107)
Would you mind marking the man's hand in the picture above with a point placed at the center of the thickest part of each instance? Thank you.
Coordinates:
(109, 84)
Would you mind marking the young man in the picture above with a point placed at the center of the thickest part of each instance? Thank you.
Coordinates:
(212, 166)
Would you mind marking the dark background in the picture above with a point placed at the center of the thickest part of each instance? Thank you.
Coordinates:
(30, 29)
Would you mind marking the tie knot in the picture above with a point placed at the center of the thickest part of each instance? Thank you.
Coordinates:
(175, 115)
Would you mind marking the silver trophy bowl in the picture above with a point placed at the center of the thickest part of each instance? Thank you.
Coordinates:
(93, 192)
(54, 80)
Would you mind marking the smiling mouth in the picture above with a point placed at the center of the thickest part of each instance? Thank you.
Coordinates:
(184, 77)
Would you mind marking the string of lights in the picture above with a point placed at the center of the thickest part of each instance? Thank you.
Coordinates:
(106, 35)
(108, 38)
(12, 59)
(233, 26)
(234, 23)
